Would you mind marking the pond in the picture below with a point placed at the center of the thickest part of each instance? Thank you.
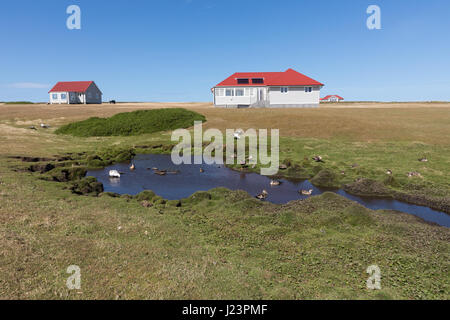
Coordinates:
(189, 179)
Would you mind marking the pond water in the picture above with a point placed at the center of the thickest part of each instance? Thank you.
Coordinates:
(189, 180)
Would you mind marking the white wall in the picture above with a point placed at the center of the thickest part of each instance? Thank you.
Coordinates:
(295, 95)
(250, 96)
(58, 99)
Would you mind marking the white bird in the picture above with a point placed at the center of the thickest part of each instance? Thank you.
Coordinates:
(238, 134)
(275, 183)
(45, 126)
(306, 192)
(114, 174)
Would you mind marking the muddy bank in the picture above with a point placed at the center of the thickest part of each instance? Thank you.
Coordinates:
(372, 188)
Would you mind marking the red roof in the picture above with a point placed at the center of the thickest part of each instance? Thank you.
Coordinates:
(288, 78)
(332, 95)
(72, 86)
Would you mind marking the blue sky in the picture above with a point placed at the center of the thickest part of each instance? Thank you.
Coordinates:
(176, 50)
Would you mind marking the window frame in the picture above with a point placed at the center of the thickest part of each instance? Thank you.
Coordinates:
(219, 92)
(243, 81)
(229, 90)
(257, 80)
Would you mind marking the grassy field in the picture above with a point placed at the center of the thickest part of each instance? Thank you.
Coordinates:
(224, 244)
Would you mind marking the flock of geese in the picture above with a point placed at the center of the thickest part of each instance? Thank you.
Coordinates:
(115, 174)
(412, 173)
(264, 194)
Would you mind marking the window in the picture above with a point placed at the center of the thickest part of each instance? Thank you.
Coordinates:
(308, 89)
(247, 92)
(219, 92)
(63, 96)
(229, 92)
(239, 92)
(242, 81)
(284, 90)
(55, 96)
(258, 80)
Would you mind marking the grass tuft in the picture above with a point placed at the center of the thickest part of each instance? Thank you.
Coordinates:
(133, 123)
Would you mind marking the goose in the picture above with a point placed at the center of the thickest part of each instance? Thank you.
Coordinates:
(160, 172)
(33, 128)
(317, 159)
(423, 159)
(114, 174)
(263, 195)
(389, 172)
(306, 192)
(414, 174)
(237, 134)
(275, 183)
(132, 167)
(45, 126)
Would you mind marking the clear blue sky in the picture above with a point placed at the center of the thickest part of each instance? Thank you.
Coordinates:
(176, 50)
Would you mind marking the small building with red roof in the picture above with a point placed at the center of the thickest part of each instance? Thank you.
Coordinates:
(332, 98)
(288, 89)
(75, 92)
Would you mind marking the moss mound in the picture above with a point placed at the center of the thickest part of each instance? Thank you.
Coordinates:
(325, 178)
(197, 198)
(87, 186)
(368, 187)
(66, 174)
(146, 195)
(133, 123)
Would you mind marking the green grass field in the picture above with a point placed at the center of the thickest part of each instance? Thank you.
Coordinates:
(224, 244)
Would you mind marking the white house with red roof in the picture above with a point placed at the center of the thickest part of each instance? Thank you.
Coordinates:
(332, 98)
(288, 89)
(75, 92)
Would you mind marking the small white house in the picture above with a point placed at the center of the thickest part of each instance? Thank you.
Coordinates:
(75, 92)
(332, 98)
(289, 89)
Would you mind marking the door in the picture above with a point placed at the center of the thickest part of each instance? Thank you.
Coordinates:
(260, 94)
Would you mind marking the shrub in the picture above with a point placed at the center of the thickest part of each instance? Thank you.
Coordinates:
(133, 123)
